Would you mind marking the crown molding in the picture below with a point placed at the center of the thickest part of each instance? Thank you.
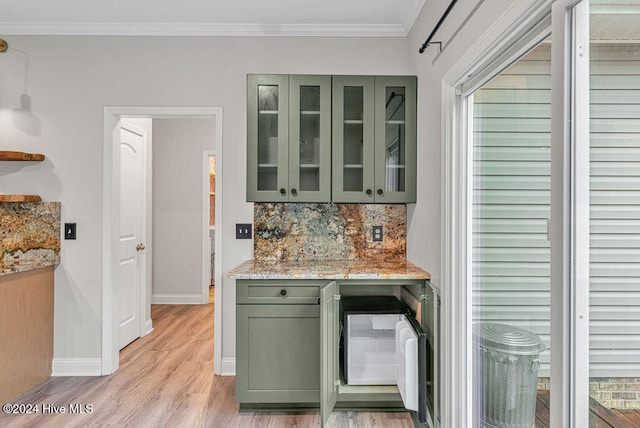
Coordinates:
(194, 29)
(413, 15)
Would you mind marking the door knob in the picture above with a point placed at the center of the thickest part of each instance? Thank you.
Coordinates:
(140, 247)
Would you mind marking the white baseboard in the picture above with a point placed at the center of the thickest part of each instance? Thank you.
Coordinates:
(228, 367)
(76, 367)
(148, 327)
(176, 299)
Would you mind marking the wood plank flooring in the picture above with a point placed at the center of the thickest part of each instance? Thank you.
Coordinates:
(166, 380)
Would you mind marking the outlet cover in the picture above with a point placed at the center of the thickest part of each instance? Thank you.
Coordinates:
(243, 230)
(377, 233)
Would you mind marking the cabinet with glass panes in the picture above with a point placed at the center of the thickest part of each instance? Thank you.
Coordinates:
(374, 139)
(288, 138)
(331, 139)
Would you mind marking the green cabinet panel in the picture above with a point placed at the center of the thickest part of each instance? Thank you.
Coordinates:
(267, 137)
(395, 139)
(278, 354)
(374, 139)
(276, 292)
(310, 139)
(329, 339)
(353, 139)
(288, 138)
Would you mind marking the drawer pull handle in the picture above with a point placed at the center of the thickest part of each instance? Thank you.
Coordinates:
(283, 292)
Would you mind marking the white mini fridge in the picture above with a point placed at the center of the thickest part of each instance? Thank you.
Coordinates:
(385, 345)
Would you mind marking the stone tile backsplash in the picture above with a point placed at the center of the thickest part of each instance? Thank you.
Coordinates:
(310, 231)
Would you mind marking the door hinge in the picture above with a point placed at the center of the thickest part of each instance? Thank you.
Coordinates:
(336, 383)
(424, 298)
(336, 297)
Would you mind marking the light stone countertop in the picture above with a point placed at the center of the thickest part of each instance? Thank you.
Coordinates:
(10, 268)
(328, 269)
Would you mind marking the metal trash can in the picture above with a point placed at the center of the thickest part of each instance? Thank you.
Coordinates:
(506, 375)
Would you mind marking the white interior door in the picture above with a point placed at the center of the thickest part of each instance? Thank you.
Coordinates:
(131, 231)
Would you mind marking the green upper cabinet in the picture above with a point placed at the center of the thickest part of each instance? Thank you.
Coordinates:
(353, 138)
(395, 139)
(374, 139)
(349, 139)
(288, 138)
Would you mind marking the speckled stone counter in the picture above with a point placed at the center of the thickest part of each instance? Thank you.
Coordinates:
(29, 236)
(328, 269)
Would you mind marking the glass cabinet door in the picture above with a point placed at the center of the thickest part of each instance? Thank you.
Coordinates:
(310, 139)
(353, 138)
(395, 134)
(267, 138)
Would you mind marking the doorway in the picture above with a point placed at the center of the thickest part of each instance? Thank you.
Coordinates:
(111, 226)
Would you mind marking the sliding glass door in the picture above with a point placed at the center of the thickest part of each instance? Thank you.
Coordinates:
(510, 131)
(614, 207)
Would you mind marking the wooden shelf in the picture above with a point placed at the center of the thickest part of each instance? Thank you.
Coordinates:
(21, 156)
(20, 198)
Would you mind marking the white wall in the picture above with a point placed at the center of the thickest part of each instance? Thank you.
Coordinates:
(72, 79)
(178, 146)
(464, 27)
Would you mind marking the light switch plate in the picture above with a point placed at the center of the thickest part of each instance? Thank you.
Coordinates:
(69, 231)
(243, 230)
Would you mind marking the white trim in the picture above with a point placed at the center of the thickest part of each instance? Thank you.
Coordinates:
(176, 299)
(206, 240)
(518, 15)
(148, 327)
(111, 226)
(579, 211)
(456, 372)
(413, 15)
(199, 29)
(228, 367)
(76, 367)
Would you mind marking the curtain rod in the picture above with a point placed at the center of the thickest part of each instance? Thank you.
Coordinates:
(426, 44)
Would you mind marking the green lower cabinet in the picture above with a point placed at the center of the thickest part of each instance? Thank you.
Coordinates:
(288, 335)
(278, 354)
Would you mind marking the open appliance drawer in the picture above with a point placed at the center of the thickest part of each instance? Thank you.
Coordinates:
(383, 344)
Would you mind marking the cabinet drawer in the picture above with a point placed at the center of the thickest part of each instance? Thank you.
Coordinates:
(278, 292)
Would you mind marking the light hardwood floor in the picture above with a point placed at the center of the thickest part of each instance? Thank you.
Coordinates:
(166, 380)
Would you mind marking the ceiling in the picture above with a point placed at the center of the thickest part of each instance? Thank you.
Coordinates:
(209, 17)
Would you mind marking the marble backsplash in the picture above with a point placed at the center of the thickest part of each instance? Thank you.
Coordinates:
(29, 235)
(298, 232)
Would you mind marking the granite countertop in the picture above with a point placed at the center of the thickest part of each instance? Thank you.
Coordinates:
(328, 269)
(9, 268)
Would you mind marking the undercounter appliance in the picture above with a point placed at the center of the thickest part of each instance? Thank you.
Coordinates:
(383, 344)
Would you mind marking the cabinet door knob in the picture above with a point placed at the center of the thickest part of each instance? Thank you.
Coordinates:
(369, 192)
(294, 192)
(283, 292)
(283, 191)
(379, 192)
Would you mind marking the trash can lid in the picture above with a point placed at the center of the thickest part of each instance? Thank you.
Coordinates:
(507, 338)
